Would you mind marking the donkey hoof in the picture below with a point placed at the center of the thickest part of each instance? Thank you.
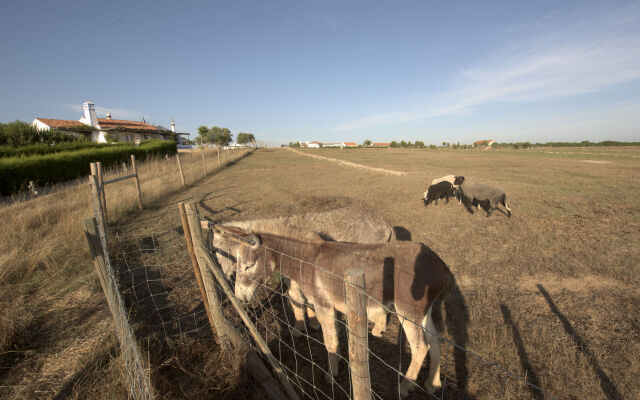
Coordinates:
(328, 378)
(406, 386)
(377, 332)
(431, 388)
(313, 324)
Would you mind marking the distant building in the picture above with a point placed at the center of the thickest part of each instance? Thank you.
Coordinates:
(122, 130)
(380, 144)
(349, 144)
(483, 143)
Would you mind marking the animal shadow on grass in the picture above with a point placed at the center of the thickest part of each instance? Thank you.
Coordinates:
(605, 383)
(457, 324)
(524, 358)
(402, 234)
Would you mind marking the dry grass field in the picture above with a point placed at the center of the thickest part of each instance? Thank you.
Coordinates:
(551, 293)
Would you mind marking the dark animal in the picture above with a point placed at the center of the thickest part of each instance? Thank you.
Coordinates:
(438, 191)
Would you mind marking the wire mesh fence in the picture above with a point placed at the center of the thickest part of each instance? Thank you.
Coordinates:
(158, 287)
(277, 306)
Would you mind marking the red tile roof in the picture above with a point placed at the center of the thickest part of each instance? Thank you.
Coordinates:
(120, 123)
(482, 141)
(382, 144)
(350, 144)
(61, 123)
(103, 122)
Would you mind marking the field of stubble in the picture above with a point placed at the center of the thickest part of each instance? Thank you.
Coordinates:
(550, 294)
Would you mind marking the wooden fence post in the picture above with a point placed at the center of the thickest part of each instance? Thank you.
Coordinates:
(223, 329)
(218, 147)
(135, 172)
(357, 332)
(204, 162)
(211, 265)
(194, 261)
(103, 197)
(97, 205)
(180, 169)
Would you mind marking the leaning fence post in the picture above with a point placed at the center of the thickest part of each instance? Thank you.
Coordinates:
(223, 329)
(357, 332)
(211, 266)
(139, 386)
(180, 168)
(194, 261)
(135, 172)
(218, 148)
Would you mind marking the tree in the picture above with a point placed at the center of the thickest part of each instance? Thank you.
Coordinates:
(419, 144)
(245, 138)
(220, 136)
(367, 142)
(394, 144)
(203, 135)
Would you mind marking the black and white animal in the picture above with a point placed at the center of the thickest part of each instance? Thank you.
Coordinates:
(486, 195)
(438, 191)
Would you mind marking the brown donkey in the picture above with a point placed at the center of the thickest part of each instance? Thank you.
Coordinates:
(407, 275)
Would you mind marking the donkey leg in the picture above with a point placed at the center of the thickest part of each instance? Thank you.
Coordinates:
(433, 380)
(379, 317)
(297, 300)
(415, 337)
(327, 319)
(313, 320)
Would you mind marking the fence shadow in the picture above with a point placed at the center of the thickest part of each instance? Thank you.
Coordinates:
(605, 383)
(522, 353)
(457, 325)
(146, 293)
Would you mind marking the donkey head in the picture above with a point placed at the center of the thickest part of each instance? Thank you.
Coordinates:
(254, 264)
(458, 180)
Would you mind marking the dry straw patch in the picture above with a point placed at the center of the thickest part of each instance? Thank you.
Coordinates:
(51, 301)
(574, 231)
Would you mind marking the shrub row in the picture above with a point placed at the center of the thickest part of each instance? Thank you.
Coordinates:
(43, 148)
(16, 172)
(20, 133)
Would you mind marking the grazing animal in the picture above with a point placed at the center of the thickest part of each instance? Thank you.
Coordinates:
(349, 224)
(438, 191)
(446, 178)
(407, 275)
(478, 193)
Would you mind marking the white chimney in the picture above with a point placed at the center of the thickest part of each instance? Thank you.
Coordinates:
(90, 113)
(108, 115)
(173, 126)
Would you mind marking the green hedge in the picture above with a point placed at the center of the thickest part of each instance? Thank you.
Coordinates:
(16, 172)
(43, 148)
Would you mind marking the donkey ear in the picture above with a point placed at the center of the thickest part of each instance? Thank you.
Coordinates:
(253, 240)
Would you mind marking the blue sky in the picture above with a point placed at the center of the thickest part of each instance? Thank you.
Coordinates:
(330, 71)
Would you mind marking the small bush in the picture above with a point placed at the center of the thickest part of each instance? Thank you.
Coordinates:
(15, 172)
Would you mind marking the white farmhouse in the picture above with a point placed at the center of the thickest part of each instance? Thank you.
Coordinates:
(122, 130)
